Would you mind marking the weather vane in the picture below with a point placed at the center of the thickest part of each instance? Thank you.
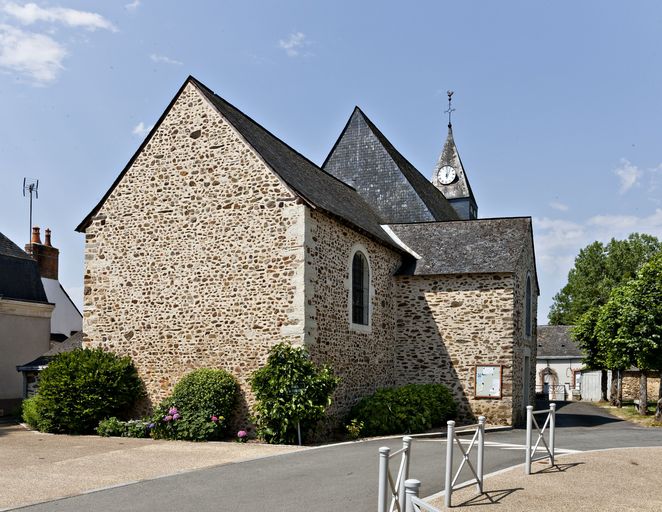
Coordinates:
(450, 108)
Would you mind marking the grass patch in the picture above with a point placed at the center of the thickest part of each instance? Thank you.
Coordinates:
(630, 413)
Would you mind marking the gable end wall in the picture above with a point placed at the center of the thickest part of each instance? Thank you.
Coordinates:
(196, 257)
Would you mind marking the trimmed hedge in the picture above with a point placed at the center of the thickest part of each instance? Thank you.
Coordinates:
(77, 389)
(406, 410)
(199, 407)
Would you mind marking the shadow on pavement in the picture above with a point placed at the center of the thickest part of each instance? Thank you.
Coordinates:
(557, 468)
(489, 497)
(579, 414)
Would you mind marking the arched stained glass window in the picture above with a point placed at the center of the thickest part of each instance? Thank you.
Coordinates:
(360, 289)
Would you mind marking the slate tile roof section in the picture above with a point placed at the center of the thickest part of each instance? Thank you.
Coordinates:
(365, 159)
(465, 247)
(9, 248)
(19, 274)
(555, 341)
(318, 188)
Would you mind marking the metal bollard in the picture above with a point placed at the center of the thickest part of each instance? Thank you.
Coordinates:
(382, 497)
(406, 446)
(529, 433)
(552, 430)
(448, 482)
(481, 452)
(411, 490)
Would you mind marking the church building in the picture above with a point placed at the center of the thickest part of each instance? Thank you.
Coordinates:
(218, 240)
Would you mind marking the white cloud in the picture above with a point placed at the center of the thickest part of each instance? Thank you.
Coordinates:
(628, 174)
(558, 242)
(165, 60)
(557, 205)
(133, 5)
(141, 130)
(36, 55)
(31, 13)
(295, 43)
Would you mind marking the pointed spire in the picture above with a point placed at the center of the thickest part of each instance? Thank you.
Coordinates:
(450, 176)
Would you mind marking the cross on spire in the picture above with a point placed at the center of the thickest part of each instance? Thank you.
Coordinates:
(450, 108)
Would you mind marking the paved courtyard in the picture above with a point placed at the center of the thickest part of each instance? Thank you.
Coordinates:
(344, 477)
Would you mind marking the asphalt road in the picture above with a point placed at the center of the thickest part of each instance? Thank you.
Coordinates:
(342, 477)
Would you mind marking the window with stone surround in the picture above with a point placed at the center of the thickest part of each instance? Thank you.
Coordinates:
(527, 306)
(360, 291)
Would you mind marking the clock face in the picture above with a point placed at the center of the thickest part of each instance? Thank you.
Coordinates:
(446, 175)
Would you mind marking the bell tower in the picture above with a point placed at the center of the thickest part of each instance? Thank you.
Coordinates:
(450, 176)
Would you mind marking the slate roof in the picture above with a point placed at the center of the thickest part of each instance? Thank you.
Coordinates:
(365, 159)
(555, 341)
(69, 345)
(451, 156)
(19, 274)
(465, 247)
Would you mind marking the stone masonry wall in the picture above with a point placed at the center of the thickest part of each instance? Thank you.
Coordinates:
(631, 385)
(364, 359)
(196, 258)
(524, 344)
(446, 324)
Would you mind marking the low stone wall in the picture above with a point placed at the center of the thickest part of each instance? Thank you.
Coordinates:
(631, 386)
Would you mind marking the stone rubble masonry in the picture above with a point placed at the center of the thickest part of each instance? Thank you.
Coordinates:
(449, 323)
(202, 257)
(196, 258)
(631, 385)
(363, 358)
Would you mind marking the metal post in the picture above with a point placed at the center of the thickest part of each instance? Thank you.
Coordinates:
(529, 433)
(382, 497)
(411, 489)
(552, 430)
(448, 483)
(406, 446)
(299, 432)
(481, 452)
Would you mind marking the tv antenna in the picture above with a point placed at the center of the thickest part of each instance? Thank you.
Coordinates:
(31, 186)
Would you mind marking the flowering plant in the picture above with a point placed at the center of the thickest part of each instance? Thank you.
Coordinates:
(242, 436)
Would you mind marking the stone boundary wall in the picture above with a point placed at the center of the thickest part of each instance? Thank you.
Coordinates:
(446, 324)
(631, 385)
(196, 258)
(363, 358)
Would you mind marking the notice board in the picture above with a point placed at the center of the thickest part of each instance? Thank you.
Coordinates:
(488, 379)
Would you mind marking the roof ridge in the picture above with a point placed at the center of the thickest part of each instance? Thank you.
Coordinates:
(203, 86)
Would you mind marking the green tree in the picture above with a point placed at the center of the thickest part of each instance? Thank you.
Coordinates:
(641, 325)
(290, 392)
(598, 269)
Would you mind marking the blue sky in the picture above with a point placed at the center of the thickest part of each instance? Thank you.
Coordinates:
(558, 103)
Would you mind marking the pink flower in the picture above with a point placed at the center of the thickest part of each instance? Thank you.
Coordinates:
(173, 411)
(176, 416)
(241, 434)
(167, 418)
(214, 419)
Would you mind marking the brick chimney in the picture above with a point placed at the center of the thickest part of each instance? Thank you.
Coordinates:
(44, 254)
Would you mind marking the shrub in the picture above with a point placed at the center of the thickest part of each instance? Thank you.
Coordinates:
(198, 408)
(30, 412)
(137, 428)
(114, 427)
(354, 428)
(290, 389)
(79, 388)
(408, 409)
(111, 427)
